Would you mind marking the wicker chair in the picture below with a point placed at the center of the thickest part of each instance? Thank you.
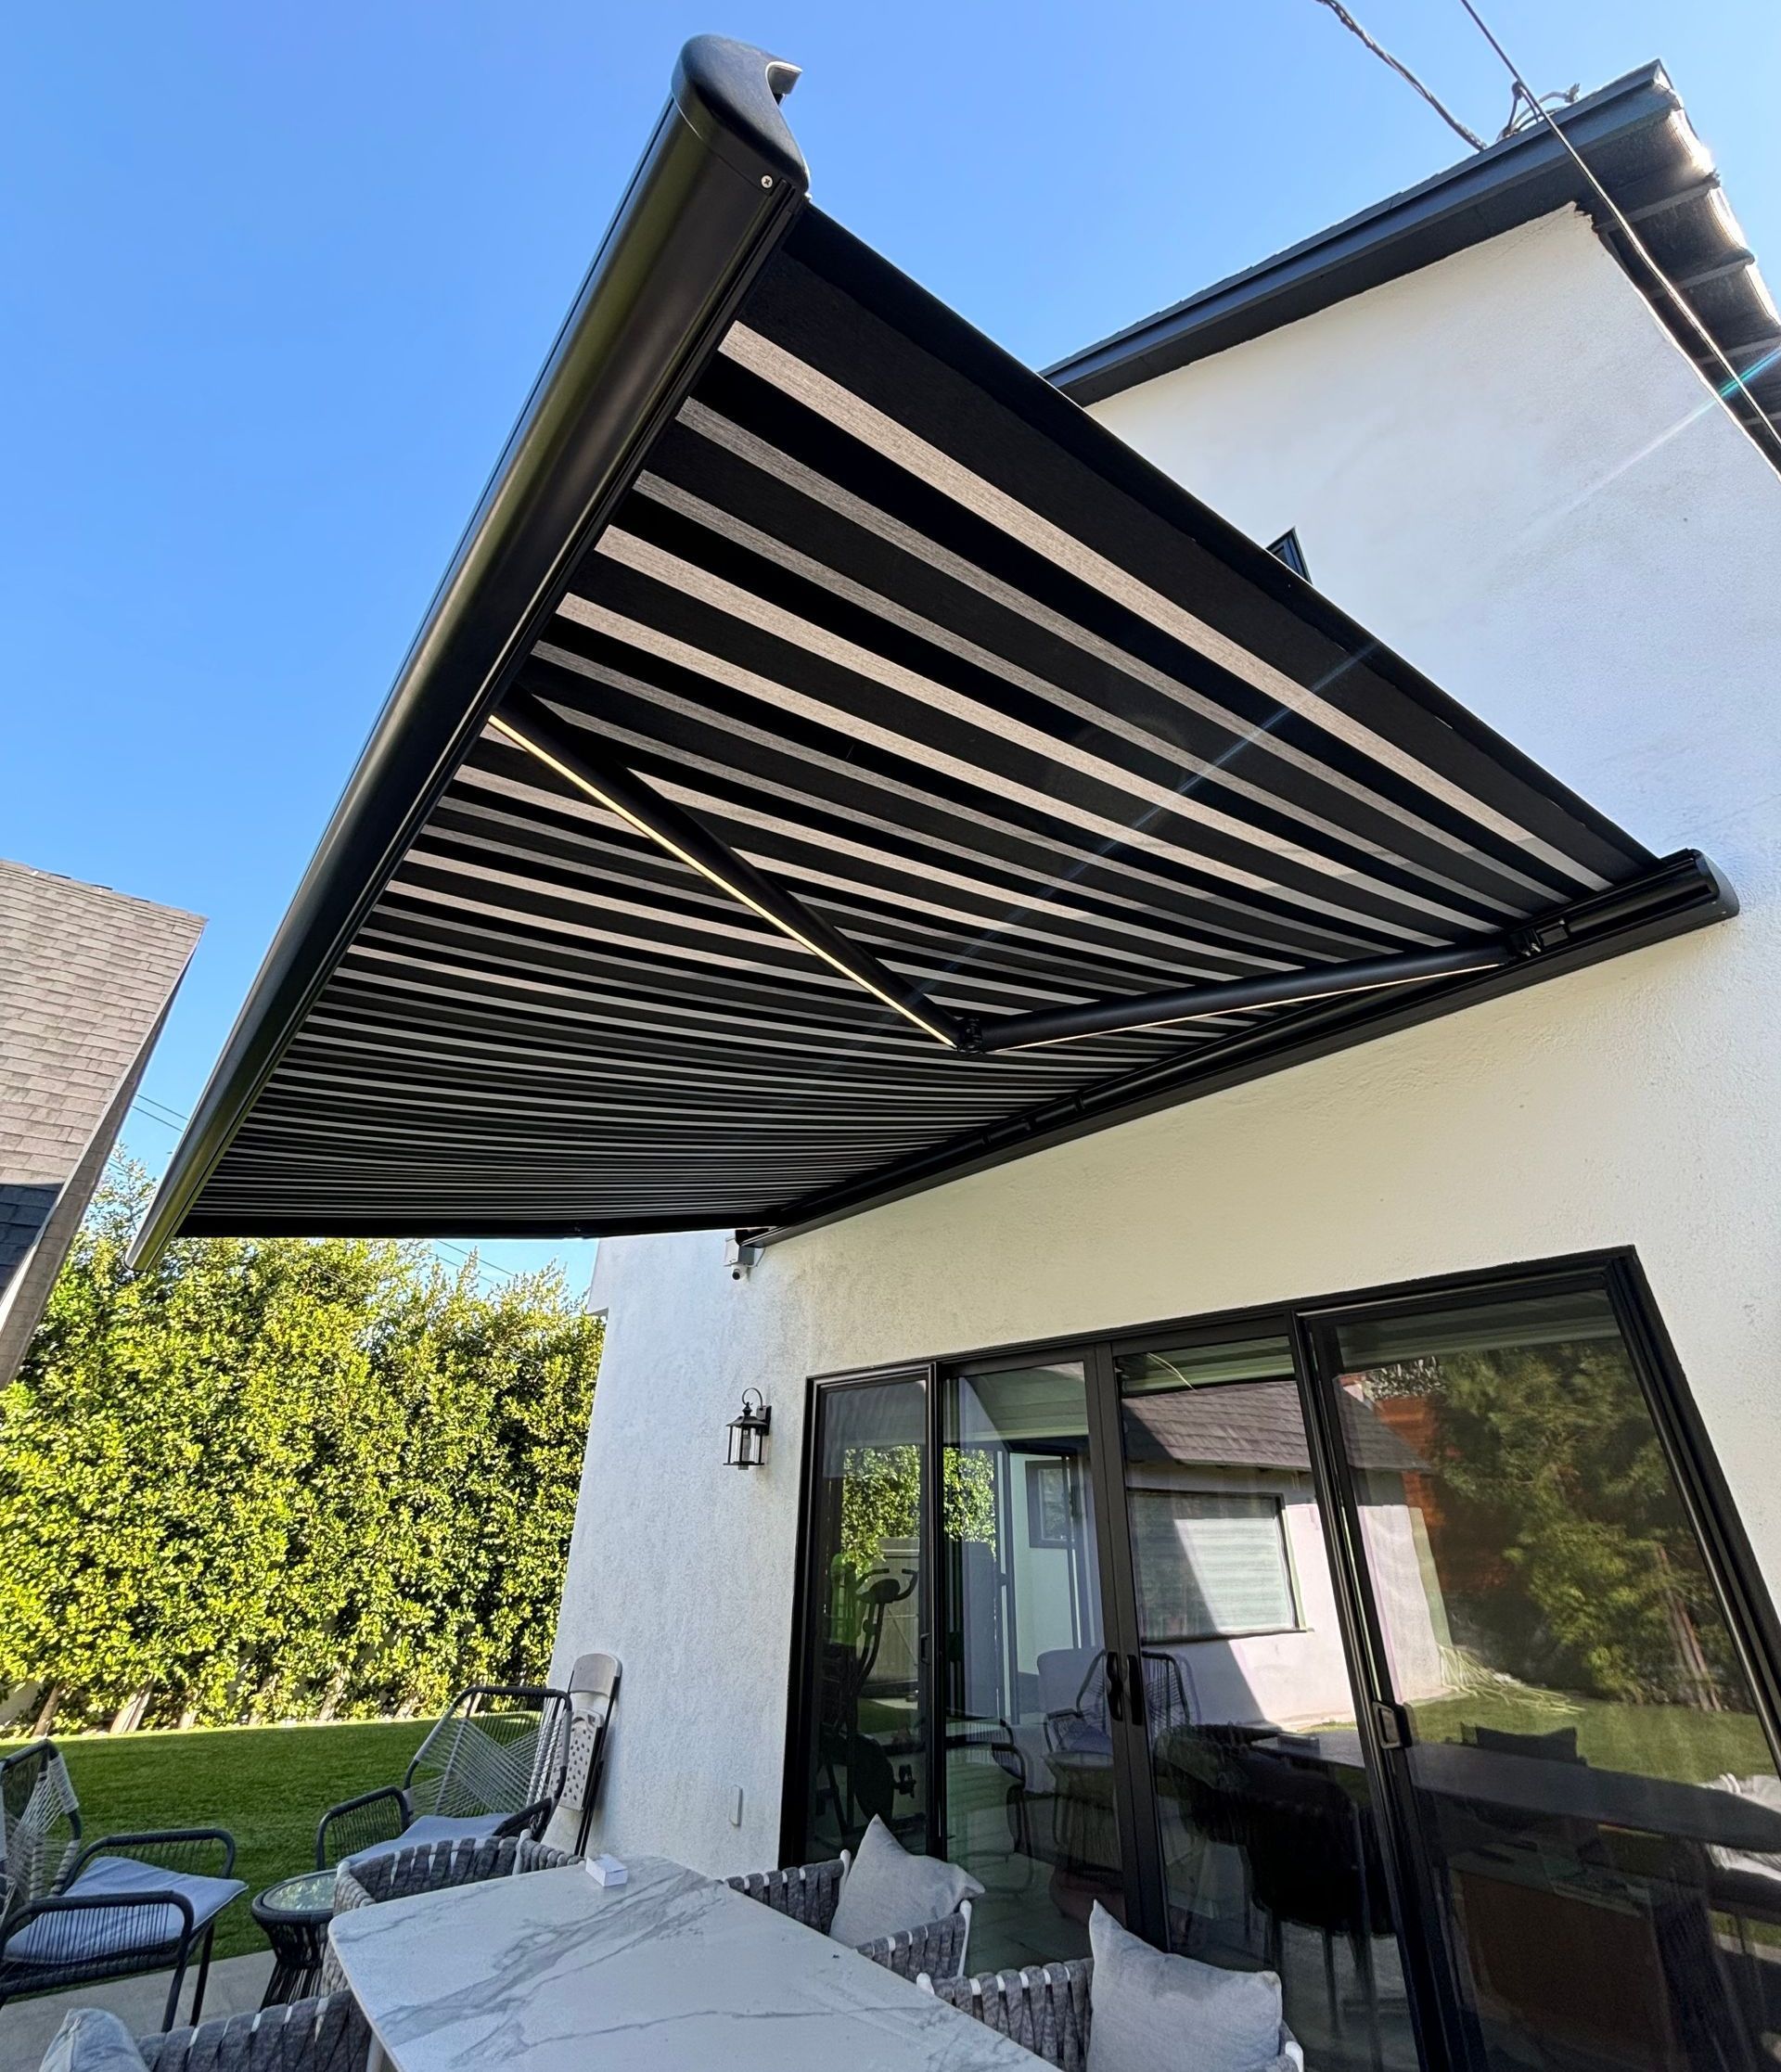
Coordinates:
(431, 1868)
(494, 1766)
(1046, 2010)
(73, 1913)
(810, 1892)
(328, 2034)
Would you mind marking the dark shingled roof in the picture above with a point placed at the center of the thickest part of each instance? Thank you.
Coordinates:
(1250, 1423)
(87, 976)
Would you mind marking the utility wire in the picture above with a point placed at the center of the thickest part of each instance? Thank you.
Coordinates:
(1735, 383)
(1404, 72)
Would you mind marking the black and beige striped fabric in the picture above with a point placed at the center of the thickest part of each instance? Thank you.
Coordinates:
(908, 632)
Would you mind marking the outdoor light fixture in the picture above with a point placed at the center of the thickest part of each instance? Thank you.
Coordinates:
(749, 1432)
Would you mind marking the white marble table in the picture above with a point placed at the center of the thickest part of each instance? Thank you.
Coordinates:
(670, 1973)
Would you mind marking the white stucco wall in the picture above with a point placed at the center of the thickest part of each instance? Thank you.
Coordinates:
(1502, 467)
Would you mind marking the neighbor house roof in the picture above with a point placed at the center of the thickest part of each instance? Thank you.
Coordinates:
(834, 763)
(1634, 134)
(87, 976)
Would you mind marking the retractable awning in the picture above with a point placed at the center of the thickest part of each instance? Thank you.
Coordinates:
(833, 763)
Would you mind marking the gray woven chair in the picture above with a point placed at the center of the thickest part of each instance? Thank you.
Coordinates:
(431, 1868)
(328, 2034)
(809, 1892)
(492, 1766)
(1045, 2009)
(75, 1911)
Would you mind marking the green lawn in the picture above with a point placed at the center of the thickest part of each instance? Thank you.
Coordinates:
(1672, 1741)
(267, 1785)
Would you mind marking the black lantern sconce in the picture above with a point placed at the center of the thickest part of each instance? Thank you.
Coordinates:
(749, 1432)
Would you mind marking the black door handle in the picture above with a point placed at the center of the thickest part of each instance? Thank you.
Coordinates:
(1115, 1691)
(1135, 1689)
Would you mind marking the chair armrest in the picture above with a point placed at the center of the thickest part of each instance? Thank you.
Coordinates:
(169, 1849)
(530, 1820)
(432, 1866)
(1045, 2008)
(935, 1951)
(807, 1892)
(355, 1824)
(326, 2034)
(82, 1948)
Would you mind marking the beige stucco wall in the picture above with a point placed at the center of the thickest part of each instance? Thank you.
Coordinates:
(1504, 466)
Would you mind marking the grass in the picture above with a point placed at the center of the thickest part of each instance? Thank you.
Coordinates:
(267, 1785)
(1672, 1741)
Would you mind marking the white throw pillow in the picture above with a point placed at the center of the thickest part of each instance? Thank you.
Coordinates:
(1155, 2012)
(886, 1890)
(92, 2040)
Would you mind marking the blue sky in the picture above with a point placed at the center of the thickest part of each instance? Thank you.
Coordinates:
(276, 281)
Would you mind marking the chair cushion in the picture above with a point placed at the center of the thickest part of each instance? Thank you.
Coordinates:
(1560, 1745)
(92, 2040)
(1760, 1863)
(430, 1828)
(66, 1939)
(1155, 2012)
(886, 1890)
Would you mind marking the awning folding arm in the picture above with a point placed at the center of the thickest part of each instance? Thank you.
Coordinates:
(529, 724)
(1278, 989)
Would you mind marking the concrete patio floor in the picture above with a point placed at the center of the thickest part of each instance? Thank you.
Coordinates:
(26, 2025)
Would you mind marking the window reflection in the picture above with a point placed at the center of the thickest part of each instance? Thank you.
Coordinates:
(1593, 1787)
(1271, 1855)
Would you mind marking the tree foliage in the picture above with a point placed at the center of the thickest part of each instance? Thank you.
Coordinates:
(284, 1479)
(1562, 1511)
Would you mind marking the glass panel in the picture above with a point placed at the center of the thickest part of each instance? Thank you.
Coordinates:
(1029, 1801)
(871, 1735)
(1593, 1790)
(1269, 1846)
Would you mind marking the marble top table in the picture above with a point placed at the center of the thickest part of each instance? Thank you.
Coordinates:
(671, 1972)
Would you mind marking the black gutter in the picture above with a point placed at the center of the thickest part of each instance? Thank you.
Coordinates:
(1682, 892)
(719, 187)
(1508, 184)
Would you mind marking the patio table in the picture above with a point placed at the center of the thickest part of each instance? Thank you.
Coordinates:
(671, 1972)
(1572, 1791)
(293, 1915)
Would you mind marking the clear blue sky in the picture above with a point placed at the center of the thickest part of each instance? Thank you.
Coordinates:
(277, 280)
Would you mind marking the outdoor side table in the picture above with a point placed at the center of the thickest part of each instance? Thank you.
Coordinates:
(294, 1915)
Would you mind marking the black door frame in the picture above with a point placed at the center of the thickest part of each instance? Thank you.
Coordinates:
(1308, 1325)
(803, 1700)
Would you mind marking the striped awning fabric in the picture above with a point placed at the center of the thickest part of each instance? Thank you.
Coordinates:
(923, 646)
(1025, 737)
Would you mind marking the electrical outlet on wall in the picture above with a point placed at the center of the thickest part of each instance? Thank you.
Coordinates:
(735, 1808)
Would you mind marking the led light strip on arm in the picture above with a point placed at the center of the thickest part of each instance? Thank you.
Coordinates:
(529, 726)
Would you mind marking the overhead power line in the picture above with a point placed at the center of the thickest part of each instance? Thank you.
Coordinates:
(1404, 72)
(1735, 383)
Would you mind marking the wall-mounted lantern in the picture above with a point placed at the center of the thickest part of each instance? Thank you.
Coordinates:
(749, 1432)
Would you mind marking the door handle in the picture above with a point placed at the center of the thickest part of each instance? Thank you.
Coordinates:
(1135, 1689)
(1115, 1689)
(1392, 1724)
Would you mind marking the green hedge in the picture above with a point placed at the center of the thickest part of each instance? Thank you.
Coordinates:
(284, 1478)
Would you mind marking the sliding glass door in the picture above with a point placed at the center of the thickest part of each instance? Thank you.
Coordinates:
(1403, 1647)
(1031, 1802)
(864, 1721)
(1573, 1735)
(1267, 1857)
